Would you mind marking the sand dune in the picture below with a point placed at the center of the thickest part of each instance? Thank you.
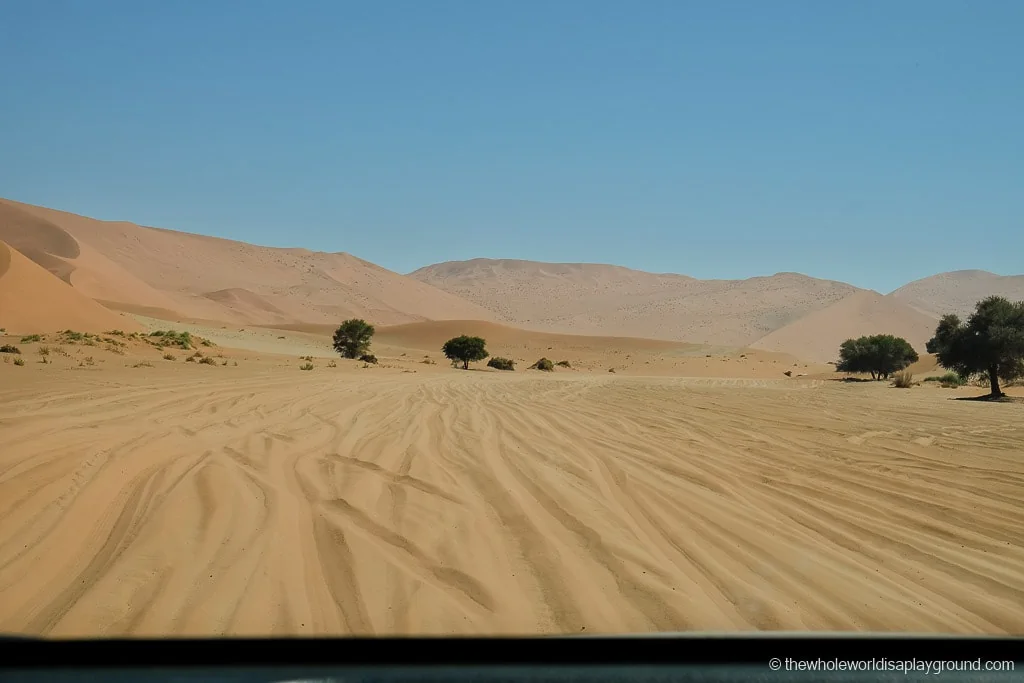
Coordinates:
(818, 335)
(194, 500)
(959, 291)
(34, 300)
(595, 299)
(178, 271)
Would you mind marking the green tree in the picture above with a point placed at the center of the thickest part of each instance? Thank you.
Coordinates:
(880, 354)
(352, 338)
(465, 350)
(989, 344)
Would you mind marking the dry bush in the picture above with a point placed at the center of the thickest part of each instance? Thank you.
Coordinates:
(306, 366)
(207, 361)
(332, 364)
(8, 348)
(499, 363)
(543, 364)
(904, 379)
(170, 356)
(19, 362)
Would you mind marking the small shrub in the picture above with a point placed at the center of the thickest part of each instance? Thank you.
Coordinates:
(8, 348)
(88, 342)
(143, 364)
(950, 380)
(332, 364)
(368, 358)
(206, 342)
(88, 360)
(44, 351)
(903, 379)
(788, 373)
(193, 358)
(207, 361)
(611, 369)
(499, 363)
(115, 333)
(19, 362)
(566, 364)
(170, 356)
(61, 351)
(114, 348)
(28, 339)
(306, 366)
(71, 335)
(427, 361)
(543, 364)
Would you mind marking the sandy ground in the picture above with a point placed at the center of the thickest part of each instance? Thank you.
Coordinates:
(178, 498)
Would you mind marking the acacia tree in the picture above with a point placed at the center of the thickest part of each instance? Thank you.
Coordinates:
(465, 350)
(880, 354)
(989, 344)
(352, 338)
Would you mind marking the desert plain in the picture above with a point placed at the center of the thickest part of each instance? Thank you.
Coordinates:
(678, 481)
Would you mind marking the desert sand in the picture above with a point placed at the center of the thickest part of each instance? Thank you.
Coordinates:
(177, 498)
(696, 464)
(33, 300)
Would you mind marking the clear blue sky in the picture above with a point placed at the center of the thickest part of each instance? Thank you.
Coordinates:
(871, 141)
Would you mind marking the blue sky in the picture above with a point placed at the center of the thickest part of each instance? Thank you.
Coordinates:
(872, 142)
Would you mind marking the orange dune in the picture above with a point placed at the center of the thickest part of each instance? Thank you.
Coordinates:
(33, 300)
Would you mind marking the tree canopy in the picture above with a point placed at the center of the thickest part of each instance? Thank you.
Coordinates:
(465, 350)
(989, 344)
(880, 354)
(352, 338)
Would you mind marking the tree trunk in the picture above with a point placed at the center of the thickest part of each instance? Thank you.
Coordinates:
(465, 365)
(873, 375)
(993, 379)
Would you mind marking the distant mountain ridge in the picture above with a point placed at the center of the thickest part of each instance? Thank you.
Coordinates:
(170, 274)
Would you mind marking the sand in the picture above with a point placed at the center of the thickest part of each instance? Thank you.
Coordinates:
(34, 300)
(181, 275)
(607, 300)
(818, 335)
(958, 292)
(259, 499)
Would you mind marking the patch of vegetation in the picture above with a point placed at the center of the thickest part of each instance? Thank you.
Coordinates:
(9, 348)
(464, 349)
(116, 333)
(143, 364)
(114, 348)
(352, 338)
(565, 364)
(880, 355)
(990, 345)
(306, 366)
(368, 358)
(206, 342)
(499, 363)
(194, 357)
(206, 360)
(43, 351)
(169, 356)
(182, 340)
(332, 364)
(543, 364)
(427, 361)
(88, 360)
(903, 379)
(19, 362)
(71, 335)
(28, 339)
(950, 380)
